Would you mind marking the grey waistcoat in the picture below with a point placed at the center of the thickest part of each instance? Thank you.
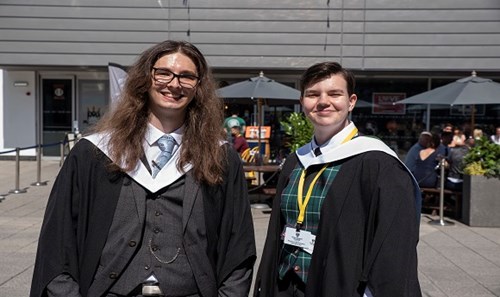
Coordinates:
(155, 246)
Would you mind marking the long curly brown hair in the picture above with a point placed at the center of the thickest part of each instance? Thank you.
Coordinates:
(203, 133)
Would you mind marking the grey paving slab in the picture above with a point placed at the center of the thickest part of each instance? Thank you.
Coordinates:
(492, 254)
(432, 289)
(454, 260)
(19, 285)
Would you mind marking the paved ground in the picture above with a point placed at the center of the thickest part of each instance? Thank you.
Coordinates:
(453, 260)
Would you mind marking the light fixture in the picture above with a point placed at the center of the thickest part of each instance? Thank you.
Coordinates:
(20, 84)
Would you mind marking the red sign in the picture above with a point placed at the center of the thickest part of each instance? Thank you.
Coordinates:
(384, 103)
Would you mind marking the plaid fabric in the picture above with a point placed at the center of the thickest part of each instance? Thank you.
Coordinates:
(292, 256)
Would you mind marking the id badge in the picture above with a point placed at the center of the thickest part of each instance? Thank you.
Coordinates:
(302, 239)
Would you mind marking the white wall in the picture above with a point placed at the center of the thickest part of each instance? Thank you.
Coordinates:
(19, 112)
(1, 110)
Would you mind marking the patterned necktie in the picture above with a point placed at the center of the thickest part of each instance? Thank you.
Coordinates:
(166, 144)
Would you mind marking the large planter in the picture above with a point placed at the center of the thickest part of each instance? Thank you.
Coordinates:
(481, 201)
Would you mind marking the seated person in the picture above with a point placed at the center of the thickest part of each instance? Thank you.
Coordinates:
(495, 138)
(425, 166)
(240, 144)
(454, 181)
(458, 137)
(413, 154)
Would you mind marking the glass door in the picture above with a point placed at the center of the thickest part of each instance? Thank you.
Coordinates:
(92, 100)
(57, 111)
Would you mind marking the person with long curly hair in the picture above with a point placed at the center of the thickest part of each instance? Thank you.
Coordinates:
(154, 202)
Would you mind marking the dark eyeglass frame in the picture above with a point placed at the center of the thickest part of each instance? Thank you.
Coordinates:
(175, 75)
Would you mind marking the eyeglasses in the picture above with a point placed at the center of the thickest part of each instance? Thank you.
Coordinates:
(164, 76)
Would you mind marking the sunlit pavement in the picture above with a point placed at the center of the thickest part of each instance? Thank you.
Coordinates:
(455, 260)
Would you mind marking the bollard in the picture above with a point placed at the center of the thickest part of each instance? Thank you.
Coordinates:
(61, 147)
(39, 167)
(17, 190)
(441, 221)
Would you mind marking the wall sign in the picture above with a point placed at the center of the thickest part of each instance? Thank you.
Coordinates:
(383, 103)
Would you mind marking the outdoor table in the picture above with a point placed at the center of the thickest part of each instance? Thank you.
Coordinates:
(262, 168)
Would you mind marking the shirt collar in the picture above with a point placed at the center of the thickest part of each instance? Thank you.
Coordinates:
(153, 134)
(333, 142)
(306, 153)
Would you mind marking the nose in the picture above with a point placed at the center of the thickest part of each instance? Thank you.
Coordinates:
(323, 99)
(174, 83)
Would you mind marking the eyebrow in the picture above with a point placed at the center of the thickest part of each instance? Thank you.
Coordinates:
(184, 72)
(329, 91)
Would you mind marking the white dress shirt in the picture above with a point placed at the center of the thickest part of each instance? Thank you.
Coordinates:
(151, 148)
(167, 175)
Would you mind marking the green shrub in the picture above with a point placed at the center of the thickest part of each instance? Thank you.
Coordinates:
(298, 129)
(483, 159)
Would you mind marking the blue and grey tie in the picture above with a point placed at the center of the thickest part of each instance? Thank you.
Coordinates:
(166, 144)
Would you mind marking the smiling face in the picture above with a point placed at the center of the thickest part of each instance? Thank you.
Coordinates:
(327, 104)
(168, 100)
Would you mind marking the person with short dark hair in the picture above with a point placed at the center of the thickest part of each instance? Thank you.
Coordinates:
(413, 153)
(346, 214)
(155, 202)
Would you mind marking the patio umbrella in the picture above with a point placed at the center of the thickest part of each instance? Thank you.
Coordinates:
(260, 87)
(257, 89)
(466, 91)
(364, 104)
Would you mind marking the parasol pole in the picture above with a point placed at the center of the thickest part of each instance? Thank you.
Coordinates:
(473, 110)
(428, 109)
(472, 119)
(259, 141)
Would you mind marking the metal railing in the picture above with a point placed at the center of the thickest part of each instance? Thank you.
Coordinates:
(441, 221)
(17, 173)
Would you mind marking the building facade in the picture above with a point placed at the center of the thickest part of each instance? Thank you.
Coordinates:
(55, 55)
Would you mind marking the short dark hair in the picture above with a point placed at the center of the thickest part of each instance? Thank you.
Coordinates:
(323, 70)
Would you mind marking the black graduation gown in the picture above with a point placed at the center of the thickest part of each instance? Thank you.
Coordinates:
(81, 208)
(367, 233)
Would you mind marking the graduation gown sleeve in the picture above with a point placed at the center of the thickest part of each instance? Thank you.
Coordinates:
(77, 217)
(368, 232)
(230, 232)
(267, 274)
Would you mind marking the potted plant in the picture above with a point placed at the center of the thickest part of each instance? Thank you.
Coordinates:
(481, 203)
(298, 129)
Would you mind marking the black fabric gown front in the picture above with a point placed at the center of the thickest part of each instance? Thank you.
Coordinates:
(367, 235)
(80, 210)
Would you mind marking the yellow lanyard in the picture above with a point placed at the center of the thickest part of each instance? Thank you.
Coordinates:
(302, 203)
